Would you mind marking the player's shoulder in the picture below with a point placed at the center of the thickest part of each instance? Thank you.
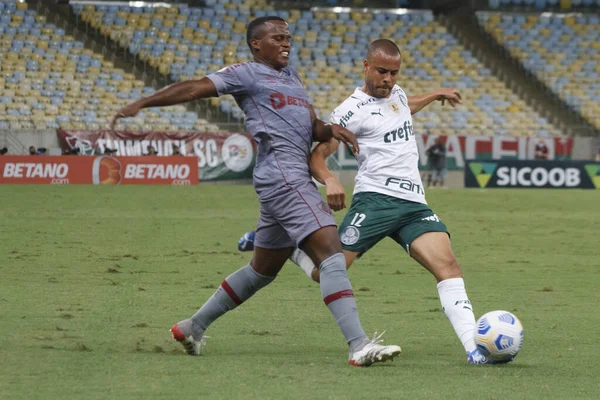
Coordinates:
(399, 92)
(348, 110)
(234, 67)
(291, 72)
(353, 103)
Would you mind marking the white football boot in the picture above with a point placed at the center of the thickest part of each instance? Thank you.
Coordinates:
(373, 352)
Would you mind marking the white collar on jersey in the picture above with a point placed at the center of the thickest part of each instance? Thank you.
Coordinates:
(363, 96)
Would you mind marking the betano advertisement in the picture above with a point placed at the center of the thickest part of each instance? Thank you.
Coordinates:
(98, 170)
(218, 155)
(532, 174)
(461, 148)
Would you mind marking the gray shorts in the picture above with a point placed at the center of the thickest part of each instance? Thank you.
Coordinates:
(288, 219)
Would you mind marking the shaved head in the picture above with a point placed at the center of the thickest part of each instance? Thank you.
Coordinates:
(381, 67)
(385, 46)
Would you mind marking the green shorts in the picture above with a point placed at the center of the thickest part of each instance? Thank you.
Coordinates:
(373, 216)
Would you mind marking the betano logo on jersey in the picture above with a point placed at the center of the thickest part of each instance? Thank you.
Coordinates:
(280, 100)
(593, 171)
(483, 172)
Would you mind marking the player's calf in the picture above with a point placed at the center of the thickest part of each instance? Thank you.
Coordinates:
(432, 250)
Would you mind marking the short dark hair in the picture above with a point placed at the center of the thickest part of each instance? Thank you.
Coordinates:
(385, 45)
(255, 24)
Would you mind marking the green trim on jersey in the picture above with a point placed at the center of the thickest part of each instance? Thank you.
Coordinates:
(373, 216)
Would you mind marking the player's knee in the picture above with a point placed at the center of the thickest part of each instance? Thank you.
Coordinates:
(322, 245)
(447, 268)
(334, 264)
(316, 275)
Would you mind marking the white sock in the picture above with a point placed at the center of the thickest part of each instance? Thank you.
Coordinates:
(458, 309)
(302, 260)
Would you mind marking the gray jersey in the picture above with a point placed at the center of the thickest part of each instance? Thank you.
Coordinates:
(278, 116)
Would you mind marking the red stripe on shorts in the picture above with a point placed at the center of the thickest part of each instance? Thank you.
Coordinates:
(231, 293)
(310, 208)
(338, 295)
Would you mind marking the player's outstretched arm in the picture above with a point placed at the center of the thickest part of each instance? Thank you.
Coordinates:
(323, 132)
(176, 93)
(417, 103)
(336, 197)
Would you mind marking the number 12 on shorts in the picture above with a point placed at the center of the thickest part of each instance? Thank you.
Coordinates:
(358, 219)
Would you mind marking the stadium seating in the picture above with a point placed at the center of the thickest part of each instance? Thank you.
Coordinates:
(544, 4)
(49, 80)
(562, 50)
(328, 50)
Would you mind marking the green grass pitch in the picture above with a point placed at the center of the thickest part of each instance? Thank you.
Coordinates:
(92, 278)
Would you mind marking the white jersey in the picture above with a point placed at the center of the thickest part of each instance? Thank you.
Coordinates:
(388, 161)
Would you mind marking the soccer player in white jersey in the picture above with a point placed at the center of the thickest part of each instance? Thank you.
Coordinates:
(389, 199)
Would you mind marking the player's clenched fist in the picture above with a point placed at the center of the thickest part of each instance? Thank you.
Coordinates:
(336, 197)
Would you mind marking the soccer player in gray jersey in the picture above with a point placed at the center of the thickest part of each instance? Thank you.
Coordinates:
(292, 213)
(389, 200)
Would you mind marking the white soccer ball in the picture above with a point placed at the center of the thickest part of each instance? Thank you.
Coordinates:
(499, 335)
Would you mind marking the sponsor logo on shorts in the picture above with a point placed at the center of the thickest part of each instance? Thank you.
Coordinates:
(432, 218)
(350, 235)
(324, 208)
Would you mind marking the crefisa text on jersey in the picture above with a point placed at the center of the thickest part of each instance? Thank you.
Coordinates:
(344, 120)
(399, 133)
